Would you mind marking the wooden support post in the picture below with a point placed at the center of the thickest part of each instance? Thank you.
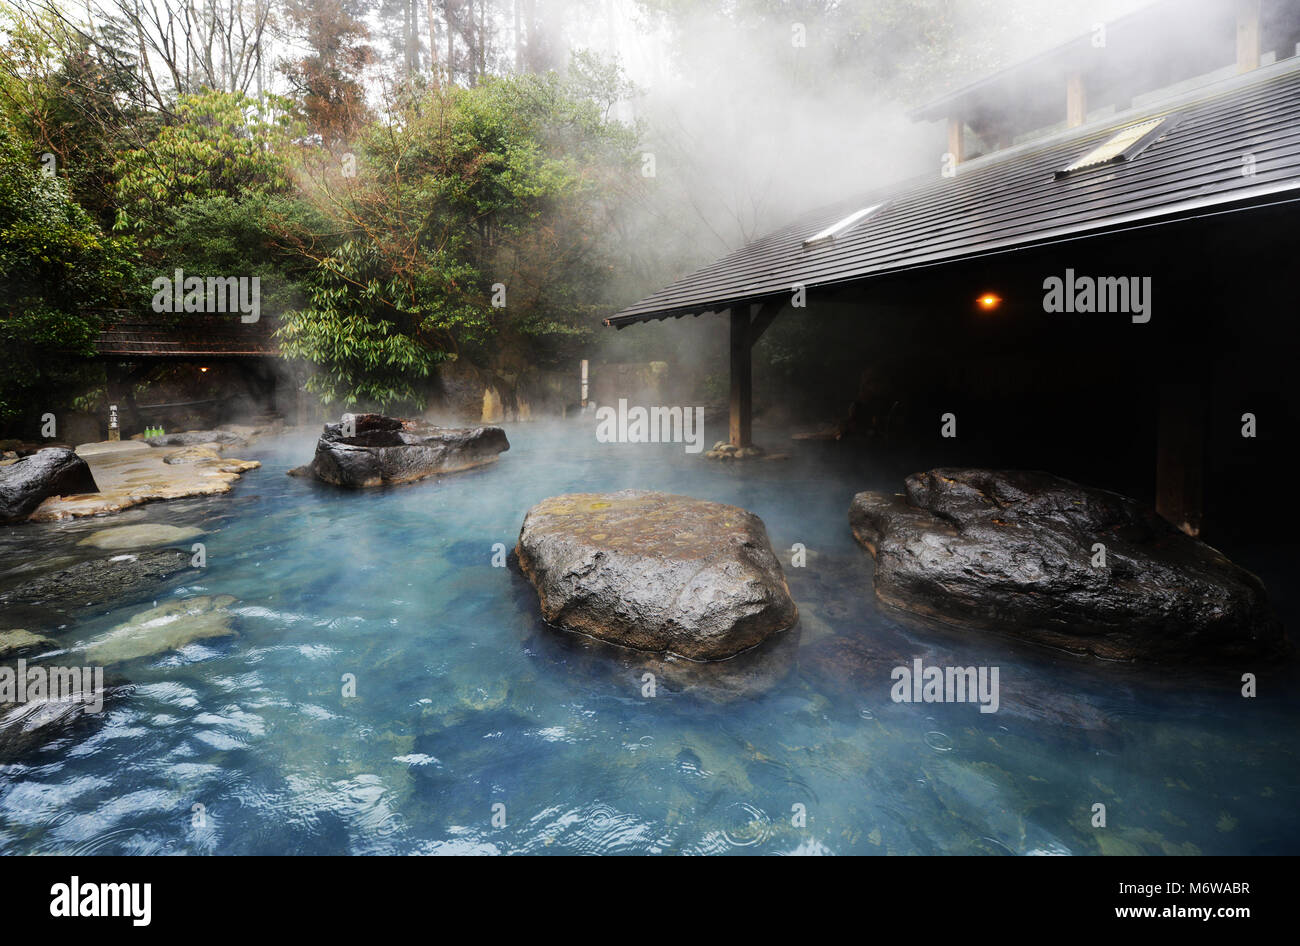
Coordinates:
(742, 393)
(748, 323)
(1076, 100)
(1180, 455)
(764, 315)
(956, 140)
(1248, 35)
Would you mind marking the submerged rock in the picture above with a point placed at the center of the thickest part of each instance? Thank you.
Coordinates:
(41, 719)
(140, 535)
(858, 663)
(746, 676)
(17, 642)
(385, 450)
(190, 438)
(1016, 552)
(191, 455)
(593, 665)
(29, 481)
(862, 666)
(656, 572)
(169, 626)
(115, 579)
(25, 727)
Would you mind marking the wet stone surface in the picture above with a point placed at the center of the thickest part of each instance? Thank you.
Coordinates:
(656, 572)
(27, 482)
(130, 473)
(373, 450)
(1040, 558)
(121, 579)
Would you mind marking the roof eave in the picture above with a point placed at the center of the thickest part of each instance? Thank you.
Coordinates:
(1217, 203)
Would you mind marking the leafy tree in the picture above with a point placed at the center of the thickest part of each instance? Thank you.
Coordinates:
(232, 236)
(510, 188)
(57, 268)
(72, 94)
(218, 144)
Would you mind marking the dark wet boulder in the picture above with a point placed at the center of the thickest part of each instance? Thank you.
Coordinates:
(373, 450)
(1041, 558)
(656, 572)
(43, 718)
(29, 481)
(119, 579)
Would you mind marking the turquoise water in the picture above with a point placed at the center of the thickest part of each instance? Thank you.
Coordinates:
(465, 701)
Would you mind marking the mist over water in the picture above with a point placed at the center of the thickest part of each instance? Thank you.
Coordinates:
(476, 728)
(465, 699)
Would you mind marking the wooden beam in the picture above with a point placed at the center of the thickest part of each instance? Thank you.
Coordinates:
(742, 395)
(1248, 35)
(1076, 100)
(1180, 455)
(764, 315)
(956, 140)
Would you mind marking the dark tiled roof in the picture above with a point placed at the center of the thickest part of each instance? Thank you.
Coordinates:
(152, 335)
(1011, 199)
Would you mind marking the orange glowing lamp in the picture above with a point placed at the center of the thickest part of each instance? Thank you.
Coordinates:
(988, 302)
(204, 369)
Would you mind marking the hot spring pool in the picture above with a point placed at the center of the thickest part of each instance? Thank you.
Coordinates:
(465, 702)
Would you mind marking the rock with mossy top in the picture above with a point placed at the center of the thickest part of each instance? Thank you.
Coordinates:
(365, 450)
(170, 626)
(656, 572)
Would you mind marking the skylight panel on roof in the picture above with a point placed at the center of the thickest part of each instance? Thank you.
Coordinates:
(840, 227)
(1125, 145)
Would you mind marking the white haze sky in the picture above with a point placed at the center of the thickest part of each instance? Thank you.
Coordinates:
(740, 138)
(752, 147)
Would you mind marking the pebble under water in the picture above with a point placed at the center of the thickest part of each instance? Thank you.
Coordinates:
(466, 702)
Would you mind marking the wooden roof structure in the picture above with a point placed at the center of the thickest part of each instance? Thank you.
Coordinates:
(184, 337)
(1014, 199)
(1117, 169)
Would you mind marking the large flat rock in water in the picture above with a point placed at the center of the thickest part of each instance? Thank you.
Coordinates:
(130, 473)
(656, 572)
(1015, 552)
(372, 450)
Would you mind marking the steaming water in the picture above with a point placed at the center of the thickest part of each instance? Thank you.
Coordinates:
(465, 700)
